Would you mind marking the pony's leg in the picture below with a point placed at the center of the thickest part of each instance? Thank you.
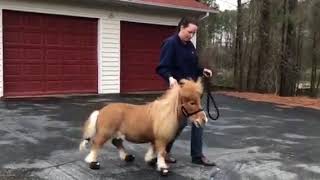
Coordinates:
(161, 154)
(151, 157)
(97, 144)
(118, 142)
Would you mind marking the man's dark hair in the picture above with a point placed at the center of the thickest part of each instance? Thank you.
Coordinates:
(185, 21)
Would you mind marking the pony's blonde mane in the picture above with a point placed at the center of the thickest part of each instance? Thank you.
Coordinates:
(164, 111)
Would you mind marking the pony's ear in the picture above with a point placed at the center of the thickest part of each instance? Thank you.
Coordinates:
(182, 82)
(199, 81)
(199, 84)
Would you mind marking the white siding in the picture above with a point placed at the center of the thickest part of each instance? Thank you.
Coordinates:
(1, 56)
(109, 81)
(108, 34)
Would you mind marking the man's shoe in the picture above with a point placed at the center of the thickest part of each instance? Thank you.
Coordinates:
(170, 159)
(202, 161)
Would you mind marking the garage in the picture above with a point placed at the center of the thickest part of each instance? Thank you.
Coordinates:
(140, 50)
(50, 48)
(49, 54)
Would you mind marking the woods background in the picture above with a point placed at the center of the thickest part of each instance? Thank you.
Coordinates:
(268, 46)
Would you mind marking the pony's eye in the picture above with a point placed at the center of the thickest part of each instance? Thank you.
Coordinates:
(192, 103)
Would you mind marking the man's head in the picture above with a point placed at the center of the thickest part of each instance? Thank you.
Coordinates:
(187, 28)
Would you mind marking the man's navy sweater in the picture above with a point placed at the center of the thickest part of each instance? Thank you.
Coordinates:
(178, 59)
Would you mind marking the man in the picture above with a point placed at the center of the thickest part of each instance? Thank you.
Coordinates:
(178, 60)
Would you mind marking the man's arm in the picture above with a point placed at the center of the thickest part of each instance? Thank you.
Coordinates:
(166, 60)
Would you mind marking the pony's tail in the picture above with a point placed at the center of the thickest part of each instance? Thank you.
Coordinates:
(89, 130)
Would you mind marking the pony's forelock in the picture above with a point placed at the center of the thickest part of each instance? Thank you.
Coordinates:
(192, 85)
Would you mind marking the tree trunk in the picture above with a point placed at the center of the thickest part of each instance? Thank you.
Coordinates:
(246, 55)
(238, 67)
(264, 48)
(250, 56)
(299, 45)
(288, 68)
(318, 84)
(313, 66)
(299, 51)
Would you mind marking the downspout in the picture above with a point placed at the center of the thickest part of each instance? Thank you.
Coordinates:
(205, 16)
(194, 40)
(201, 19)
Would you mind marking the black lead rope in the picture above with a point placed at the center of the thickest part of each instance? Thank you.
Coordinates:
(210, 98)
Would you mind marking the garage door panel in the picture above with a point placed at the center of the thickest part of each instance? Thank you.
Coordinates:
(12, 37)
(146, 85)
(150, 43)
(69, 55)
(32, 69)
(12, 69)
(32, 19)
(35, 86)
(13, 19)
(33, 55)
(34, 38)
(46, 51)
(142, 77)
(88, 41)
(137, 57)
(70, 40)
(140, 56)
(52, 39)
(23, 78)
(55, 86)
(88, 56)
(53, 56)
(13, 53)
(71, 69)
(54, 77)
(87, 69)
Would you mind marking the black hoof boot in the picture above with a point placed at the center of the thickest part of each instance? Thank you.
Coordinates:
(129, 158)
(116, 142)
(164, 171)
(152, 162)
(94, 165)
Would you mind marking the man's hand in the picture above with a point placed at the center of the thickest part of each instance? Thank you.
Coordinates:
(172, 81)
(207, 72)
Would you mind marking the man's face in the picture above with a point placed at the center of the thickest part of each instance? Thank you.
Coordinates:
(186, 33)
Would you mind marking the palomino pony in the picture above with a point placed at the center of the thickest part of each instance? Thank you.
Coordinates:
(156, 123)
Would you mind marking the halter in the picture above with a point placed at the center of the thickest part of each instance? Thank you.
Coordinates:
(187, 114)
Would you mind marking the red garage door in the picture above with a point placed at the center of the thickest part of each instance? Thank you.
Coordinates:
(140, 50)
(49, 54)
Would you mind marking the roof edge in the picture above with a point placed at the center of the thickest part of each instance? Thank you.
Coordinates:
(169, 6)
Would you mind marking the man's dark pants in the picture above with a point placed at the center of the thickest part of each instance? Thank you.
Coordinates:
(196, 139)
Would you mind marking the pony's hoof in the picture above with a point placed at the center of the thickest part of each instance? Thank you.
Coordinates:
(129, 158)
(164, 171)
(152, 162)
(94, 165)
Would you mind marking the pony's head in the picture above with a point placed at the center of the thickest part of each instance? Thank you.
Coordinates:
(190, 98)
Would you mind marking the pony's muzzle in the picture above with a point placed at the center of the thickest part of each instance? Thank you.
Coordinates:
(201, 121)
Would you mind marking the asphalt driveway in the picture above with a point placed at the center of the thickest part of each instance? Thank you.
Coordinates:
(251, 140)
